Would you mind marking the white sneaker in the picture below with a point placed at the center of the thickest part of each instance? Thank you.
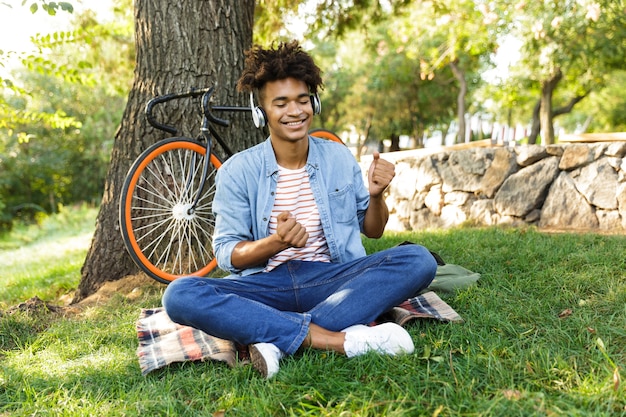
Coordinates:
(387, 338)
(265, 357)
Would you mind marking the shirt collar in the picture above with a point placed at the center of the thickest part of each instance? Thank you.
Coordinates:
(270, 158)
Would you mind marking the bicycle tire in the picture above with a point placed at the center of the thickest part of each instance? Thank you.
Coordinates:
(161, 236)
(326, 134)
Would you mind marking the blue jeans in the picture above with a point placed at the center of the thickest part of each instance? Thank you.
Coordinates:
(277, 306)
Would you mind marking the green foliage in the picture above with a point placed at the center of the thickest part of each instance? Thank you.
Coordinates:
(370, 90)
(392, 76)
(269, 20)
(543, 335)
(59, 113)
(372, 87)
(603, 111)
(50, 7)
(336, 18)
(48, 164)
(581, 40)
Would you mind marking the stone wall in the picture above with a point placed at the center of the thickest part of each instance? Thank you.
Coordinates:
(568, 186)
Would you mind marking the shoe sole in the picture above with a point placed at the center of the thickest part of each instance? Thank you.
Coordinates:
(258, 361)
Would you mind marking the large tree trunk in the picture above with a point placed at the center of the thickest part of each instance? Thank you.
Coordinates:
(459, 74)
(179, 45)
(545, 113)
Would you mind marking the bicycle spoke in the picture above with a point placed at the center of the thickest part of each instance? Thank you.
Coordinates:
(181, 169)
(200, 234)
(174, 257)
(160, 183)
(146, 201)
(184, 243)
(175, 236)
(155, 244)
(151, 229)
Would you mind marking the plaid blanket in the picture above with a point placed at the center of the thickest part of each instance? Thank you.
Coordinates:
(161, 341)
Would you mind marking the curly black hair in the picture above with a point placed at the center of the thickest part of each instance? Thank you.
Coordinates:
(288, 60)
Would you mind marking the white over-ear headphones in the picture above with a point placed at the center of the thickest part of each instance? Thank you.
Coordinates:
(258, 114)
(260, 119)
(316, 103)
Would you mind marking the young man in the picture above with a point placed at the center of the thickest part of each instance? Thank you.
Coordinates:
(289, 217)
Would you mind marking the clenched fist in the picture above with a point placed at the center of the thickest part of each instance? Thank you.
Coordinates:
(380, 174)
(290, 231)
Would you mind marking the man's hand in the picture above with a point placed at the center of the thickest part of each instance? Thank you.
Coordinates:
(290, 232)
(380, 174)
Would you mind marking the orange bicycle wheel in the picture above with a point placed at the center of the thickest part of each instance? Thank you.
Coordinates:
(325, 134)
(165, 236)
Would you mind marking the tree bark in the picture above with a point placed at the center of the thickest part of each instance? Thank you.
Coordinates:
(364, 137)
(459, 74)
(179, 45)
(545, 113)
(569, 106)
(395, 143)
(536, 124)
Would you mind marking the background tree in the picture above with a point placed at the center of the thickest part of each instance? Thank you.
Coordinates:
(603, 111)
(178, 45)
(382, 94)
(567, 45)
(463, 39)
(60, 114)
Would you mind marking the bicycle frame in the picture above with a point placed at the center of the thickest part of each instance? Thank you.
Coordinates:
(208, 117)
(207, 130)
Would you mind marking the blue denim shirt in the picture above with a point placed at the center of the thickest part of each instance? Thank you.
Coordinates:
(246, 187)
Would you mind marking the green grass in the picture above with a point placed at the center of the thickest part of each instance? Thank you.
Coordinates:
(513, 356)
(44, 259)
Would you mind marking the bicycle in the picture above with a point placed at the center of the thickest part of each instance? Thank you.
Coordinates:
(165, 211)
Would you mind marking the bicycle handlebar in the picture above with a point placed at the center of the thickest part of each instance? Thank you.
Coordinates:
(193, 93)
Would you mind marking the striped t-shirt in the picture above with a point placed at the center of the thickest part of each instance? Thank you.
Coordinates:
(294, 195)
